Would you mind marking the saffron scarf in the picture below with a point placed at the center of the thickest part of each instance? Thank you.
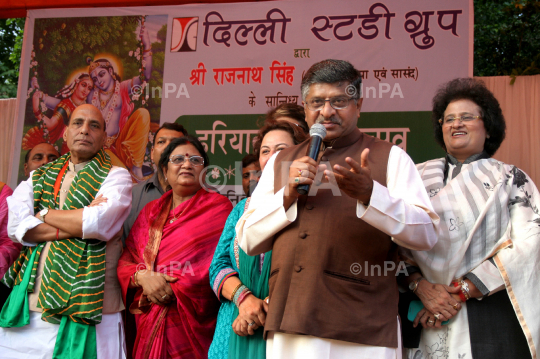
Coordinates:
(183, 249)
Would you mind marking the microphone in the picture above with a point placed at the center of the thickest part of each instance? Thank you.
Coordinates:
(317, 133)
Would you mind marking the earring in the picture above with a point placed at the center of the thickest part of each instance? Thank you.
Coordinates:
(165, 178)
(487, 136)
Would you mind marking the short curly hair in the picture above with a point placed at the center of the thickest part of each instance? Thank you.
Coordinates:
(297, 134)
(477, 92)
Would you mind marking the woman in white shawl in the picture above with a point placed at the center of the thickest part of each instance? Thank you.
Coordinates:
(483, 275)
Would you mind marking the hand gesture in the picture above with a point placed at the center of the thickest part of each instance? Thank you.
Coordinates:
(35, 100)
(98, 201)
(156, 286)
(251, 310)
(356, 182)
(439, 298)
(302, 171)
(34, 83)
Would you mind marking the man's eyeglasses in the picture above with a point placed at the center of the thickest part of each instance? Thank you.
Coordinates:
(180, 159)
(337, 103)
(449, 121)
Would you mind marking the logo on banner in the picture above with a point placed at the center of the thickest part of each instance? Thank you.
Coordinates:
(184, 34)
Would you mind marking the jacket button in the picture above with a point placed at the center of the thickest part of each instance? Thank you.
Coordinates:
(309, 206)
(303, 235)
(297, 268)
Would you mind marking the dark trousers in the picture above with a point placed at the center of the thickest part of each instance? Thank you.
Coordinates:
(494, 329)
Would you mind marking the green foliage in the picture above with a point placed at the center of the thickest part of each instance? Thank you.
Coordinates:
(62, 45)
(11, 35)
(156, 79)
(506, 37)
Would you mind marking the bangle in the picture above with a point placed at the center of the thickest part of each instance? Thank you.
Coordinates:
(238, 293)
(147, 50)
(234, 291)
(242, 297)
(413, 286)
(37, 113)
(57, 233)
(465, 289)
(135, 281)
(461, 295)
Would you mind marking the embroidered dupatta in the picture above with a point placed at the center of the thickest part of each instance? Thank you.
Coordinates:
(488, 210)
(182, 249)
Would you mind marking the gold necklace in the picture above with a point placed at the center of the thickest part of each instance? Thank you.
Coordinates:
(174, 216)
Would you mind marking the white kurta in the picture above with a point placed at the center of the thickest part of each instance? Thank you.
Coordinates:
(401, 209)
(37, 340)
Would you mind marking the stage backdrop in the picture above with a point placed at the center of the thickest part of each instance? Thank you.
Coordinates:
(218, 68)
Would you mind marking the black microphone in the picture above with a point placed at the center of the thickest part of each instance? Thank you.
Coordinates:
(317, 133)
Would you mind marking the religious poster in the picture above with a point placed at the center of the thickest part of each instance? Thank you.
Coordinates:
(97, 60)
(219, 68)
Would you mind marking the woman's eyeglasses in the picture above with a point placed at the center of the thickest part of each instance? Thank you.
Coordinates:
(449, 121)
(180, 159)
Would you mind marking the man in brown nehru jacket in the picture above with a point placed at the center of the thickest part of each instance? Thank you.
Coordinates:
(333, 290)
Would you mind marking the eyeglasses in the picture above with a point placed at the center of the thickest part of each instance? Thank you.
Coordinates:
(337, 103)
(180, 159)
(449, 121)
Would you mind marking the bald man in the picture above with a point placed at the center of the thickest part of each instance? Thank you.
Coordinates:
(68, 217)
(38, 156)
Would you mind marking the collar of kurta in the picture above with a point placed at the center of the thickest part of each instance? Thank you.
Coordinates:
(76, 167)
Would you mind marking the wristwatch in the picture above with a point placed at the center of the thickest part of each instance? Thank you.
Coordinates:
(414, 284)
(43, 213)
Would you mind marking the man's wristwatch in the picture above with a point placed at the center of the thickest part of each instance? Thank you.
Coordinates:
(413, 286)
(43, 213)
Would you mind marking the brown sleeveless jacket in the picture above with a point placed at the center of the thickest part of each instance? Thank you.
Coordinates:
(313, 286)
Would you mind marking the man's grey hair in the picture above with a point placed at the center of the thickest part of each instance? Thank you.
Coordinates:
(331, 71)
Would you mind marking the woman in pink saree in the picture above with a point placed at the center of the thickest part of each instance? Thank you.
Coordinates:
(167, 256)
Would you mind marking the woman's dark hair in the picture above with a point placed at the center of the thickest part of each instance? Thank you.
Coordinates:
(477, 92)
(186, 140)
(297, 134)
(291, 110)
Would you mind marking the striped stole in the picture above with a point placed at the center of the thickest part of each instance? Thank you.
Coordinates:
(73, 279)
(475, 221)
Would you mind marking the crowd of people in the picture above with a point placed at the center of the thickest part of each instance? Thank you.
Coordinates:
(94, 267)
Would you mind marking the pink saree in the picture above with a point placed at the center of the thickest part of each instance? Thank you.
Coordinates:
(183, 249)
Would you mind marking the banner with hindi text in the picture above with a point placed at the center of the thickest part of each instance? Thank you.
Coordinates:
(218, 68)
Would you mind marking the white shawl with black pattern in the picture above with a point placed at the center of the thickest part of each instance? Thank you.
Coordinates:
(487, 210)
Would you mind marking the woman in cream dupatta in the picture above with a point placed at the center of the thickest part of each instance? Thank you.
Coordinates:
(483, 275)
